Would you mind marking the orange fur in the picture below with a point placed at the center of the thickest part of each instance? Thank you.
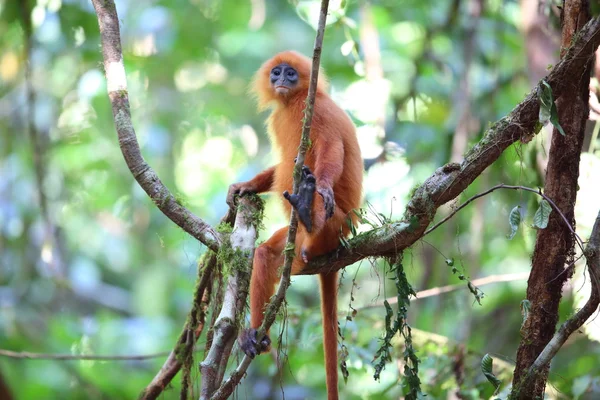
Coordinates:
(335, 160)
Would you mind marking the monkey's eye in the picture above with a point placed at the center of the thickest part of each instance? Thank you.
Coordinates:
(291, 73)
(276, 72)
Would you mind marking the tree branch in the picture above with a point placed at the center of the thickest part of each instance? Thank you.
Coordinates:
(451, 179)
(76, 357)
(518, 187)
(114, 69)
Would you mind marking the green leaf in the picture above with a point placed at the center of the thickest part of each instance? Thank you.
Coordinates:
(514, 219)
(548, 110)
(486, 367)
(546, 102)
(540, 219)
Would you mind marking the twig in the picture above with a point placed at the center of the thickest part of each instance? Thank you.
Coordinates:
(512, 187)
(436, 291)
(273, 307)
(75, 357)
(147, 178)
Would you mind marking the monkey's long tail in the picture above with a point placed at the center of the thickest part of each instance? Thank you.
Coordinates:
(329, 285)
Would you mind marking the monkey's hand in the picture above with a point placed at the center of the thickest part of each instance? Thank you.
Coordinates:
(251, 345)
(326, 193)
(238, 189)
(302, 201)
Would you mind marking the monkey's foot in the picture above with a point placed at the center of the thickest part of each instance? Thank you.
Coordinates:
(251, 345)
(302, 201)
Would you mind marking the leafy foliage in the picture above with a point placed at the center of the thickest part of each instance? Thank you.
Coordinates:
(412, 382)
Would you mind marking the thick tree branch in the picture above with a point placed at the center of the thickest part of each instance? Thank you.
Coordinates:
(119, 99)
(450, 180)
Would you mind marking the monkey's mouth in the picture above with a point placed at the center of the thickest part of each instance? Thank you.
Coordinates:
(282, 89)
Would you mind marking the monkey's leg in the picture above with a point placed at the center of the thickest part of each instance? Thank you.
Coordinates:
(303, 201)
(267, 260)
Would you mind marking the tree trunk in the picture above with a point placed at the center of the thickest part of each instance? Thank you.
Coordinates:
(554, 245)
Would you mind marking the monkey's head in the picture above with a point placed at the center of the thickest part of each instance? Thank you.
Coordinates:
(282, 77)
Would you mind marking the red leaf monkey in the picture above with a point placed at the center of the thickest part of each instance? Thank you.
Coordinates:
(333, 168)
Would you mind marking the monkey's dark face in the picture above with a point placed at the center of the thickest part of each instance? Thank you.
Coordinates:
(284, 78)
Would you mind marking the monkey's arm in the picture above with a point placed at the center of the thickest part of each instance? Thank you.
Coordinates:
(259, 184)
(329, 165)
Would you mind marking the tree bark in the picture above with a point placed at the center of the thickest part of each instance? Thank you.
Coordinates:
(555, 244)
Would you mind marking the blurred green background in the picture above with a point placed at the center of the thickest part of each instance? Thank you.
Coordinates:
(88, 265)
